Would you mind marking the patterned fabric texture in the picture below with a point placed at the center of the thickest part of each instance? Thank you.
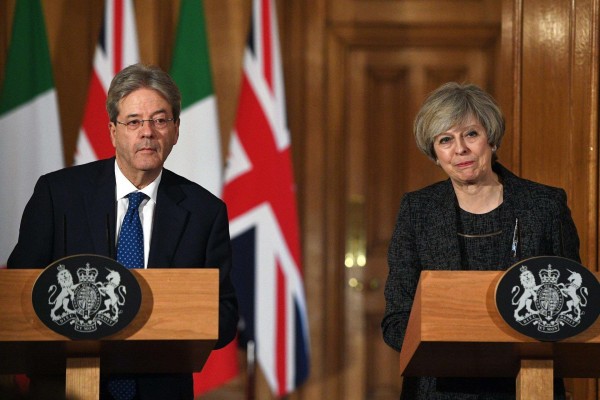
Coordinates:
(130, 253)
(426, 238)
(130, 246)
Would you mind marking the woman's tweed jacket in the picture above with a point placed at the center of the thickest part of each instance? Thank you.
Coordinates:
(425, 237)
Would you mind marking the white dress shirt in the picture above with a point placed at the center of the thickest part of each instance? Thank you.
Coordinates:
(146, 210)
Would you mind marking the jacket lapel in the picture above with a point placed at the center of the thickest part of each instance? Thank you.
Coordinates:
(442, 218)
(169, 222)
(513, 216)
(100, 208)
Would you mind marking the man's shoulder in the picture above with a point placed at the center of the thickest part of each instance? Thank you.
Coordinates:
(172, 181)
(77, 173)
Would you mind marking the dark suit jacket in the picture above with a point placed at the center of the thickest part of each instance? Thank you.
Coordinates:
(73, 211)
(425, 238)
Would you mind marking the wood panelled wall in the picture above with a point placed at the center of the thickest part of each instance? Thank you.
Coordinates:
(550, 67)
(550, 96)
(356, 72)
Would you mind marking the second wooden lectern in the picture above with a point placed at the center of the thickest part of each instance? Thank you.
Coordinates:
(174, 331)
(455, 330)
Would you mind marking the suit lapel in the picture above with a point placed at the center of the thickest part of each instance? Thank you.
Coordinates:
(100, 208)
(169, 222)
(442, 218)
(514, 211)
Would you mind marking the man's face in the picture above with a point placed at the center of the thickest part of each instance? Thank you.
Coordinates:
(143, 151)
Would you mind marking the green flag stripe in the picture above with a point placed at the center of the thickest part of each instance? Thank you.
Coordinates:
(191, 62)
(28, 68)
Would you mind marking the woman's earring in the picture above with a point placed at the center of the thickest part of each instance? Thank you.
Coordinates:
(494, 148)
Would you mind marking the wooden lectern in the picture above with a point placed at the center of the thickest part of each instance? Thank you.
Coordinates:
(174, 331)
(455, 330)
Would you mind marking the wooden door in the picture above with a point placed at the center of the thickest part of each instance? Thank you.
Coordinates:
(378, 79)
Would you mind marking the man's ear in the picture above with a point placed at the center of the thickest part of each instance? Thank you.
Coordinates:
(177, 123)
(112, 129)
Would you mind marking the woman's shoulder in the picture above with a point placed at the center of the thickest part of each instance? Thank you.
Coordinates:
(434, 192)
(528, 189)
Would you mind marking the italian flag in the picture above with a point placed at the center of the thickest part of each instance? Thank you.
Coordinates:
(197, 155)
(30, 135)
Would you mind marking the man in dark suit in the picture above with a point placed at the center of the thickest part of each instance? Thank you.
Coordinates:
(80, 210)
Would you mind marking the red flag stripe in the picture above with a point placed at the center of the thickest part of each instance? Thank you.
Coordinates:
(217, 370)
(118, 37)
(95, 120)
(266, 43)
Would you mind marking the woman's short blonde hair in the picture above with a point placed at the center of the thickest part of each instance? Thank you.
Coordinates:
(451, 104)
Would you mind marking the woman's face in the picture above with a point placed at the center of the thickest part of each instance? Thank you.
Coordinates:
(464, 153)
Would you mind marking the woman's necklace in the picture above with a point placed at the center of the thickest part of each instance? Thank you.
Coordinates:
(479, 238)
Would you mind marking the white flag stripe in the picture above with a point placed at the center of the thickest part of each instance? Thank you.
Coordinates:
(197, 154)
(103, 67)
(282, 133)
(267, 101)
(30, 146)
(84, 152)
(131, 52)
(238, 162)
(291, 338)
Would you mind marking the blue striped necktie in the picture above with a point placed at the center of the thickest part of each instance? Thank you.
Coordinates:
(130, 253)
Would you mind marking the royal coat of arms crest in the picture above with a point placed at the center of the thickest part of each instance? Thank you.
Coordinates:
(82, 302)
(543, 303)
(88, 294)
(548, 298)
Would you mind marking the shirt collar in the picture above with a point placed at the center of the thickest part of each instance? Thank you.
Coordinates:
(124, 186)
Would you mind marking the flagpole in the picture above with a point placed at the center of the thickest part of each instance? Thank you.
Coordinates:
(250, 370)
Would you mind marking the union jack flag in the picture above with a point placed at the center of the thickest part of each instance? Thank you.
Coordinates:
(260, 195)
(117, 48)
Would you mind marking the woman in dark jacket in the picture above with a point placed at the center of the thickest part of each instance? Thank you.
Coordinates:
(482, 218)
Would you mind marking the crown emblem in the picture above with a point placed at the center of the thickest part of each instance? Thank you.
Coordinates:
(87, 274)
(549, 275)
(523, 268)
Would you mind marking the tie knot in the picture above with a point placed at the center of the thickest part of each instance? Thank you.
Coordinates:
(135, 199)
